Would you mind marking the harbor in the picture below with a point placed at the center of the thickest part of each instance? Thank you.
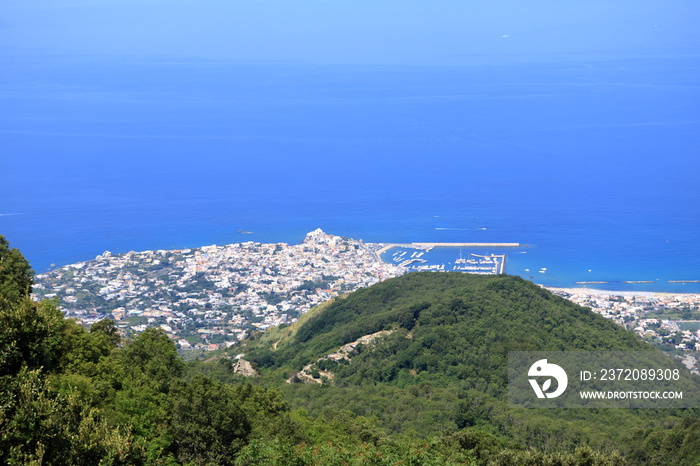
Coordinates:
(529, 262)
(478, 258)
(429, 246)
(467, 245)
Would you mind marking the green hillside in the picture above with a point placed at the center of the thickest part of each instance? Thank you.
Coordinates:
(442, 367)
(452, 320)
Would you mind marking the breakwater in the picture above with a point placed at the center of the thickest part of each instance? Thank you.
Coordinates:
(466, 245)
(429, 246)
(489, 264)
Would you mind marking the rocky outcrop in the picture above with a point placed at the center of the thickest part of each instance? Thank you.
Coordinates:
(345, 352)
(245, 368)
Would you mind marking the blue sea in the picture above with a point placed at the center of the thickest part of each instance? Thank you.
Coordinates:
(572, 129)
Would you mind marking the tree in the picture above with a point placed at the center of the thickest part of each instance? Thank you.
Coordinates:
(28, 330)
(38, 427)
(78, 351)
(207, 424)
(16, 275)
(107, 328)
(29, 333)
(153, 357)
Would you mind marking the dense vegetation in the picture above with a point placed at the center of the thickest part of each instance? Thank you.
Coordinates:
(458, 323)
(444, 366)
(431, 392)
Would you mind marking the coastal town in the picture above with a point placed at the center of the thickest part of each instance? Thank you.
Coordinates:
(209, 298)
(669, 321)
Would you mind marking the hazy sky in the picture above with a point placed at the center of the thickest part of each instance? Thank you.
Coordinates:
(342, 31)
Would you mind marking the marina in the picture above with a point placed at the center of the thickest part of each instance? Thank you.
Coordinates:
(524, 260)
(436, 257)
(429, 246)
(483, 265)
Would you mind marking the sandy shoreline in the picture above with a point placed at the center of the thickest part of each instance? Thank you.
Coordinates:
(593, 291)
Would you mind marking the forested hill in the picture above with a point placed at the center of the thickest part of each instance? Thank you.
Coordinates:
(440, 364)
(454, 324)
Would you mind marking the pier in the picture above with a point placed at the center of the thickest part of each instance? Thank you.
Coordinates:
(491, 264)
(466, 245)
(429, 246)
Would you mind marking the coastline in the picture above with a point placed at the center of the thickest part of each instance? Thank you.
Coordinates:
(599, 292)
(253, 285)
(430, 245)
(442, 256)
(444, 252)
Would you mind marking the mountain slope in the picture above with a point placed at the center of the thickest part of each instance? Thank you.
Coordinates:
(454, 317)
(443, 365)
